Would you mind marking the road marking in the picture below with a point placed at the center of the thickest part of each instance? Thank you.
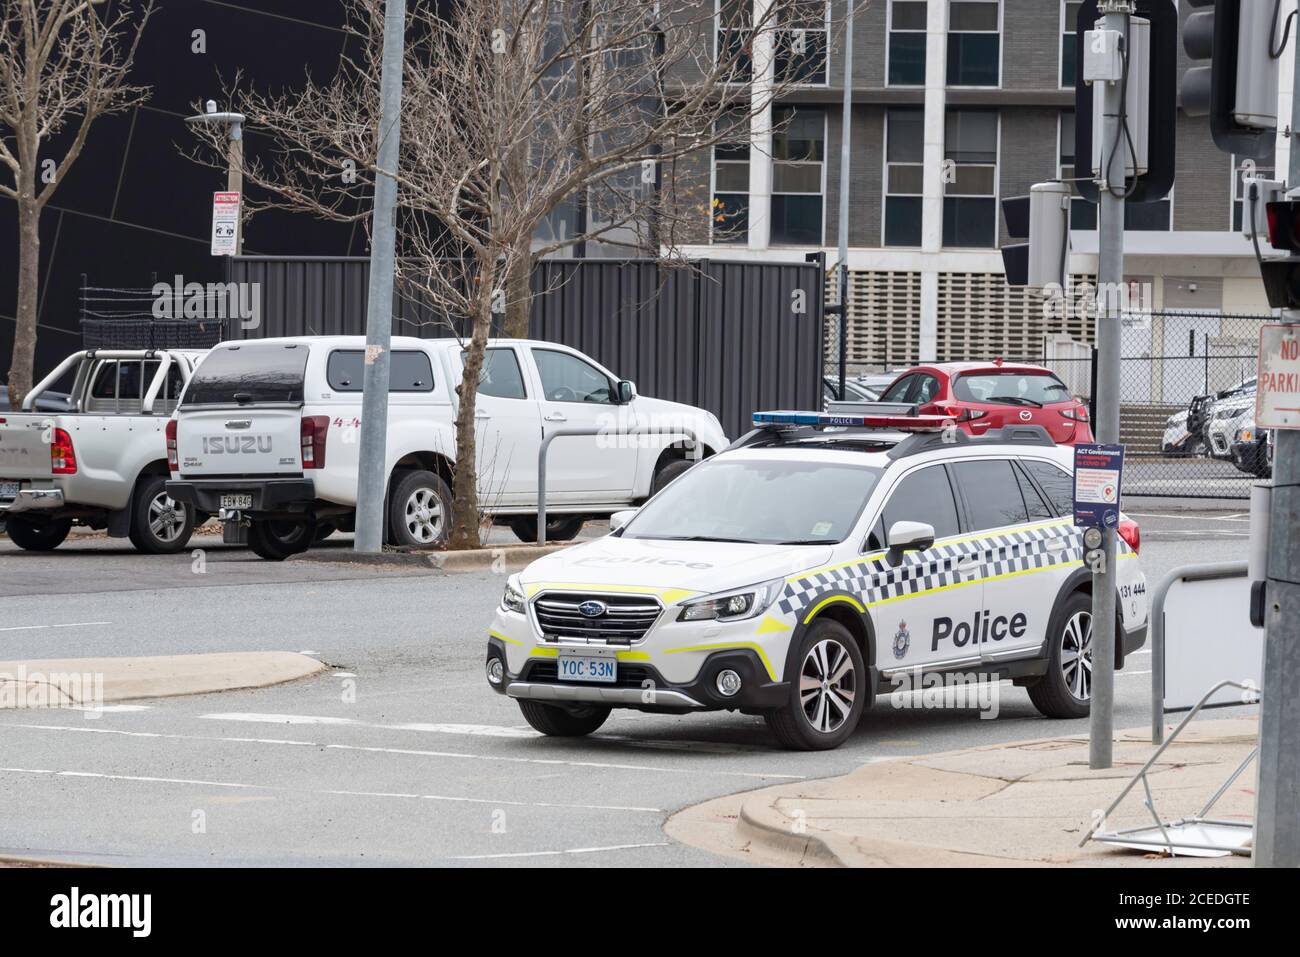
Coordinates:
(279, 718)
(451, 799)
(486, 730)
(1130, 674)
(69, 624)
(506, 759)
(570, 850)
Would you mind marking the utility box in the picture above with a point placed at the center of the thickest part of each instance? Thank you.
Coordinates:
(1049, 234)
(1137, 87)
(1257, 71)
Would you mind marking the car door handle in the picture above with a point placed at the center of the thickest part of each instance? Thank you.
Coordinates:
(557, 417)
(970, 566)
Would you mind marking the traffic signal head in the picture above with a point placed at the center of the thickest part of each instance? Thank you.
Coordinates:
(1282, 282)
(1284, 225)
(1043, 218)
(1236, 83)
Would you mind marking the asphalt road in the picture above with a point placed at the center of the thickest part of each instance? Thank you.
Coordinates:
(401, 755)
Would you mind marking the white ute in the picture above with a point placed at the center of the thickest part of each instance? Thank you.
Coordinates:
(102, 463)
(267, 435)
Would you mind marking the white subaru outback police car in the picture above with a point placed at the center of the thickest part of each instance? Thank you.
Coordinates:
(809, 567)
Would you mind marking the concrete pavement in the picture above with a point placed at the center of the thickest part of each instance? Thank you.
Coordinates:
(1025, 803)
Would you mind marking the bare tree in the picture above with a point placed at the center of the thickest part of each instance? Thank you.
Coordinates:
(63, 65)
(528, 126)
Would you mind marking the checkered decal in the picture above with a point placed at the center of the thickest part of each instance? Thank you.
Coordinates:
(873, 580)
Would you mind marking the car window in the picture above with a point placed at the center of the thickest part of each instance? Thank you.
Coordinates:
(923, 496)
(105, 384)
(898, 391)
(1037, 508)
(408, 371)
(501, 376)
(1056, 482)
(928, 388)
(566, 378)
(1010, 388)
(250, 372)
(992, 494)
(121, 380)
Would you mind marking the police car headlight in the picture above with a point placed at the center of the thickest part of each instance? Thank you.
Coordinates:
(513, 599)
(736, 605)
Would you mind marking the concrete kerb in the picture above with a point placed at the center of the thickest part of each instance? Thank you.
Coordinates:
(501, 558)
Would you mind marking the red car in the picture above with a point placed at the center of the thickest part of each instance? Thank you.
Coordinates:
(988, 395)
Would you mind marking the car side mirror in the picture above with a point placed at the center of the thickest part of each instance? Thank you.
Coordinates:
(619, 519)
(909, 537)
(626, 391)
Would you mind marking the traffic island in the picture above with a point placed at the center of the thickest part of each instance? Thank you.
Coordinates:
(1024, 804)
(91, 682)
(508, 558)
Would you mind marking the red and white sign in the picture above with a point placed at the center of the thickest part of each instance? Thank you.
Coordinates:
(225, 224)
(1277, 390)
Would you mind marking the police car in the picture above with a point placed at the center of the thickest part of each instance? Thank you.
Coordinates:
(807, 569)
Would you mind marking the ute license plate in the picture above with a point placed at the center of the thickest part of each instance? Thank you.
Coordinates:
(8, 489)
(588, 664)
(240, 500)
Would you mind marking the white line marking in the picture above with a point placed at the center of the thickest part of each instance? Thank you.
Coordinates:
(146, 779)
(71, 624)
(570, 850)
(555, 762)
(279, 718)
(1130, 674)
(486, 730)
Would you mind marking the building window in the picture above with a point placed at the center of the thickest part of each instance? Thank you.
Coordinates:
(970, 189)
(904, 176)
(974, 42)
(1240, 201)
(730, 209)
(1142, 217)
(732, 42)
(907, 43)
(1069, 26)
(798, 169)
(801, 41)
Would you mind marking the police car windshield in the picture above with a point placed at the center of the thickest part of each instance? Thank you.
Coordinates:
(764, 502)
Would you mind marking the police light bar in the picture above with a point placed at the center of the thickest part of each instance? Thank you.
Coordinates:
(823, 420)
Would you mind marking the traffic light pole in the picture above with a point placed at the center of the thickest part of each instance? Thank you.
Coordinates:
(1110, 279)
(1277, 806)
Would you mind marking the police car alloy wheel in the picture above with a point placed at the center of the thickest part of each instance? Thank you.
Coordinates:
(1066, 689)
(826, 694)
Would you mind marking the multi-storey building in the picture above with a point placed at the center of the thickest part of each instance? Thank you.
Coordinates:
(958, 104)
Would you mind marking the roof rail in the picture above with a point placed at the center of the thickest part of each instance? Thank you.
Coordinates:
(1034, 435)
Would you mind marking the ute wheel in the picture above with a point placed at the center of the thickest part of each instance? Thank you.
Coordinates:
(419, 510)
(559, 722)
(37, 536)
(160, 525)
(1066, 690)
(277, 539)
(565, 528)
(323, 531)
(667, 472)
(828, 691)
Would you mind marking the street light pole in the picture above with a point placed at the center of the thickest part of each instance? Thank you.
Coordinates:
(234, 123)
(372, 474)
(846, 125)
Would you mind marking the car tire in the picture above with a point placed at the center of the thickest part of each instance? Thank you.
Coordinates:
(564, 528)
(36, 536)
(159, 524)
(1057, 693)
(277, 539)
(556, 722)
(419, 510)
(323, 531)
(667, 472)
(827, 665)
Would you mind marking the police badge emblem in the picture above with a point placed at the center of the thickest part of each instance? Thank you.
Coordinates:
(902, 640)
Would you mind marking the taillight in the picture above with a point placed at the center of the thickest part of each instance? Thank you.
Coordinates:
(1078, 413)
(1131, 533)
(959, 413)
(173, 461)
(314, 429)
(63, 458)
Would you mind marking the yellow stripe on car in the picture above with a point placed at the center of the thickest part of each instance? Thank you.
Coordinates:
(501, 637)
(727, 646)
(834, 599)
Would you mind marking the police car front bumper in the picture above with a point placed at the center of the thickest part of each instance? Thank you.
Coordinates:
(641, 686)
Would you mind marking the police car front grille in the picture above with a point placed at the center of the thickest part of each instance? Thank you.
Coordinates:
(627, 617)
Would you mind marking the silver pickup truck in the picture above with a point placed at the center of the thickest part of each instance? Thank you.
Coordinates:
(103, 462)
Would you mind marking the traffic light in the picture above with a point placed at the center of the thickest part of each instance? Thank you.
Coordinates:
(1236, 84)
(1042, 218)
(1282, 276)
(1161, 94)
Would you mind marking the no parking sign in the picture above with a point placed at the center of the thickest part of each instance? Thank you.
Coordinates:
(1098, 470)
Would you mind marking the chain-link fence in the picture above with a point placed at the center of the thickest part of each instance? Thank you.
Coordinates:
(1187, 397)
(126, 318)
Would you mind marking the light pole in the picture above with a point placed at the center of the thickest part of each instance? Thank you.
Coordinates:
(234, 123)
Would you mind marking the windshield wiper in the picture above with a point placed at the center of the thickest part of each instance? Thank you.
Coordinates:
(810, 541)
(699, 538)
(1014, 400)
